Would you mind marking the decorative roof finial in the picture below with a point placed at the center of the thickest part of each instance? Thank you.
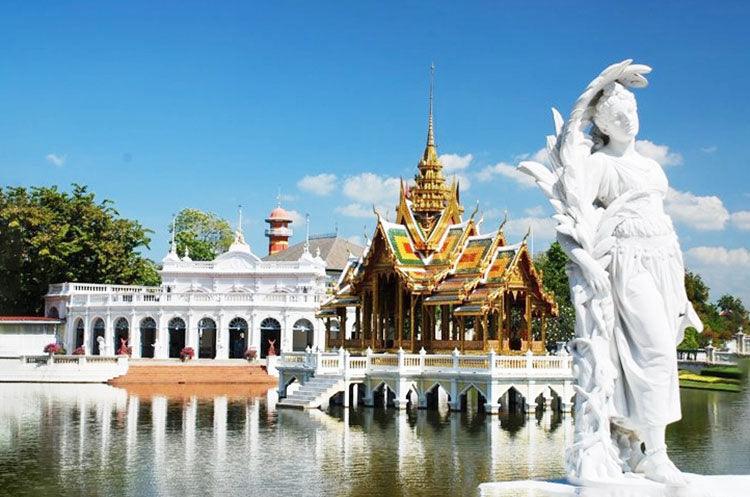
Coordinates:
(172, 244)
(307, 234)
(430, 135)
(278, 198)
(239, 219)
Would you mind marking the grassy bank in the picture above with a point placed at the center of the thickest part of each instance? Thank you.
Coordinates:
(724, 379)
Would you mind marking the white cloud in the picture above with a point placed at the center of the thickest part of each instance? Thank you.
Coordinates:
(705, 213)
(709, 150)
(544, 227)
(741, 220)
(721, 256)
(369, 188)
(724, 270)
(536, 211)
(321, 184)
(55, 159)
(455, 162)
(660, 153)
(298, 219)
(507, 170)
(464, 183)
(355, 210)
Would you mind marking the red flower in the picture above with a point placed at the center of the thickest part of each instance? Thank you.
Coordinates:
(51, 348)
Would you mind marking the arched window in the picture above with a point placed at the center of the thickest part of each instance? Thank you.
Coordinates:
(270, 324)
(270, 336)
(148, 336)
(238, 324)
(79, 327)
(98, 328)
(238, 331)
(207, 338)
(54, 313)
(122, 329)
(302, 335)
(176, 329)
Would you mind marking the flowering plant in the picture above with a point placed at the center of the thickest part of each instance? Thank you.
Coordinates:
(51, 348)
(187, 353)
(251, 354)
(80, 350)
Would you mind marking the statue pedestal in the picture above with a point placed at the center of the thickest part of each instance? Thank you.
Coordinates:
(699, 486)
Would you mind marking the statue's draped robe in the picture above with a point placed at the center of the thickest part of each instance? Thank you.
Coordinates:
(651, 306)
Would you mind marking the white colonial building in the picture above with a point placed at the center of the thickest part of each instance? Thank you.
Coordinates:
(220, 308)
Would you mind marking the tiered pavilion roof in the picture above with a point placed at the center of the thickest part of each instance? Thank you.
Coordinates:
(431, 280)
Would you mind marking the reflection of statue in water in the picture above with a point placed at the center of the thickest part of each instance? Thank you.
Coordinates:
(627, 282)
(271, 347)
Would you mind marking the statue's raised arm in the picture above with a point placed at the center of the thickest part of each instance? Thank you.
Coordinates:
(626, 277)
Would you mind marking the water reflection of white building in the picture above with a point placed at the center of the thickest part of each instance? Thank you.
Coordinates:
(220, 308)
(99, 437)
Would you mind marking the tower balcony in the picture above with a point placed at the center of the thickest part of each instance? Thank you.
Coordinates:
(278, 232)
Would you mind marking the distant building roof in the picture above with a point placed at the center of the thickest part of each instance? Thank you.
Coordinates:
(333, 250)
(279, 214)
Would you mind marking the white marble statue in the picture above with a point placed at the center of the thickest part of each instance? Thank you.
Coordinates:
(627, 283)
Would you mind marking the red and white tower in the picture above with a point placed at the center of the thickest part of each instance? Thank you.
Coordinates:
(278, 231)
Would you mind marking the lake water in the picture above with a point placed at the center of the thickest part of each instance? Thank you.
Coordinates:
(99, 440)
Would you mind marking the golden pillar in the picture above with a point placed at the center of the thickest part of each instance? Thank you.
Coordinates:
(411, 321)
(375, 318)
(358, 323)
(527, 312)
(400, 316)
(342, 326)
(485, 330)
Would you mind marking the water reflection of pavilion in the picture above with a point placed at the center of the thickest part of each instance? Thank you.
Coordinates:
(157, 444)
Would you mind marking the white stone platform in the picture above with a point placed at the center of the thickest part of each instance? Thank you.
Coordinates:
(699, 486)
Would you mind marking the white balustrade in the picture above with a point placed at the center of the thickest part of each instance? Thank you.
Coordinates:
(149, 299)
(358, 366)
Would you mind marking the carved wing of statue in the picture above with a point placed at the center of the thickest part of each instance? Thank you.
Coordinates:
(561, 180)
(584, 226)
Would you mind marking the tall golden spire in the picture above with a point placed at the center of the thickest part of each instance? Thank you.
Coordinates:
(430, 194)
(430, 151)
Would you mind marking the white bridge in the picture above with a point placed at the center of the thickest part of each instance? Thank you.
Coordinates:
(422, 380)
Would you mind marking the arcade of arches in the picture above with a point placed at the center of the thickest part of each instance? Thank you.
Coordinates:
(143, 340)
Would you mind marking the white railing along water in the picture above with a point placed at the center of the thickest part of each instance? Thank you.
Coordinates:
(342, 363)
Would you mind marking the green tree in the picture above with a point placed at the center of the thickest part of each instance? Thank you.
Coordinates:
(552, 264)
(48, 236)
(204, 234)
(734, 312)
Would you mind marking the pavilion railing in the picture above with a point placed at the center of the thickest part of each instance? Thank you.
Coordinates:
(342, 363)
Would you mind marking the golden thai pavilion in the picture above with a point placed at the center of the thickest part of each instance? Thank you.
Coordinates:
(431, 280)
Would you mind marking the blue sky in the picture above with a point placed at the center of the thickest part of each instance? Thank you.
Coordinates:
(212, 104)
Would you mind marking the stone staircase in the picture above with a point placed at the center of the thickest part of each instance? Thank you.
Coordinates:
(314, 393)
(187, 373)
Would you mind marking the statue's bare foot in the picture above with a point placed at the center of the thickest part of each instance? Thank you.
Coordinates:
(658, 467)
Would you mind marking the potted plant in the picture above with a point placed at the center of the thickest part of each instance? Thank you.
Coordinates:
(251, 354)
(51, 348)
(80, 350)
(186, 354)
